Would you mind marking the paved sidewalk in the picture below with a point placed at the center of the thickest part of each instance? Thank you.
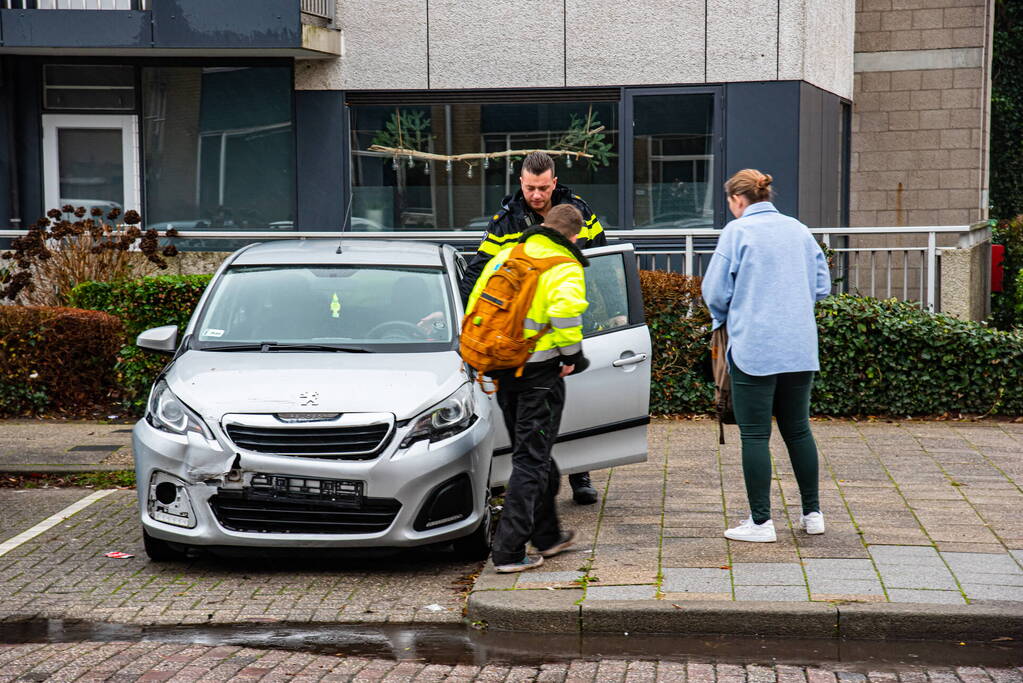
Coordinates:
(924, 539)
(64, 446)
(923, 518)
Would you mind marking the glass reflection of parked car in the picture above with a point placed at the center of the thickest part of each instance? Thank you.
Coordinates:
(104, 205)
(306, 406)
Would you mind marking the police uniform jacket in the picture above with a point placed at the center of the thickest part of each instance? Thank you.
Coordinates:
(514, 218)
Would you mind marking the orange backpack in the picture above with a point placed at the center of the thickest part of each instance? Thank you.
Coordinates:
(492, 334)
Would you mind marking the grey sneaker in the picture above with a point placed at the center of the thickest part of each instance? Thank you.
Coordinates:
(566, 542)
(522, 565)
(812, 523)
(755, 533)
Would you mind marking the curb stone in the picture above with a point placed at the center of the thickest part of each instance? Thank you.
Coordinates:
(930, 622)
(539, 611)
(62, 469)
(559, 611)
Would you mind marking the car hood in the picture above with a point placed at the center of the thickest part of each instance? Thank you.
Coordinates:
(215, 383)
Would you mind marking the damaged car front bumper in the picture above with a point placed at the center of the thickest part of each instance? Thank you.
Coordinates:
(197, 491)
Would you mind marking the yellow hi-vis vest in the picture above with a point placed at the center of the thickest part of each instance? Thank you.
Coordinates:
(560, 299)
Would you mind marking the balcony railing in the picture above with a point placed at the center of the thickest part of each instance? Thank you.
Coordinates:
(319, 8)
(74, 4)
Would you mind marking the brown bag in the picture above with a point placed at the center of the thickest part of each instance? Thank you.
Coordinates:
(722, 380)
(492, 334)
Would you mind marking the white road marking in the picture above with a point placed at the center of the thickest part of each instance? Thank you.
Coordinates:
(52, 521)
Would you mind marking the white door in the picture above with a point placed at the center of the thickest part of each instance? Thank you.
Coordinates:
(91, 161)
(607, 406)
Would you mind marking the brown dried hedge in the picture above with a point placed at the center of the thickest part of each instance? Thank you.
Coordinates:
(680, 331)
(55, 358)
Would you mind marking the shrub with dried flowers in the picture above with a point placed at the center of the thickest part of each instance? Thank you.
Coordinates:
(65, 248)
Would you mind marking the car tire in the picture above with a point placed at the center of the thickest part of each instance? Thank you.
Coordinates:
(161, 551)
(476, 546)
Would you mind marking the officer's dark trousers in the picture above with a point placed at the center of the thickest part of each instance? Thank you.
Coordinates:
(532, 406)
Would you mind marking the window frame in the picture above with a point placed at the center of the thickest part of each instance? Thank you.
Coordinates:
(633, 291)
(626, 183)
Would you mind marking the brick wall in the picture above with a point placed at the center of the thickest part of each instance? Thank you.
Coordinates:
(920, 115)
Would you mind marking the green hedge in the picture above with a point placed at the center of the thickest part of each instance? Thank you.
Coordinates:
(680, 333)
(142, 304)
(890, 357)
(877, 356)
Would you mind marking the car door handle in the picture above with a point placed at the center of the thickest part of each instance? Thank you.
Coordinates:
(631, 360)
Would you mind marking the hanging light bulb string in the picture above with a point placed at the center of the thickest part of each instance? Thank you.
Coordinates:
(430, 156)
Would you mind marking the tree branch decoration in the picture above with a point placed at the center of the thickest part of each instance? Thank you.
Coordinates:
(406, 137)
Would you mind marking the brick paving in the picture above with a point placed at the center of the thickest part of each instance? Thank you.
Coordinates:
(149, 661)
(21, 509)
(63, 574)
(916, 512)
(924, 512)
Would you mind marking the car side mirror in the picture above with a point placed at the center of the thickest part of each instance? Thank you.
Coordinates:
(160, 339)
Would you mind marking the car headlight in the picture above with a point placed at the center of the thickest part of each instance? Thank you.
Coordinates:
(166, 411)
(454, 414)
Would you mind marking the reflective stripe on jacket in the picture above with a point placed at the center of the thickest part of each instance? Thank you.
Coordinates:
(515, 217)
(559, 301)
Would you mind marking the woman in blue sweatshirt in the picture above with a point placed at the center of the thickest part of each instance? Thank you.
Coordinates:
(763, 280)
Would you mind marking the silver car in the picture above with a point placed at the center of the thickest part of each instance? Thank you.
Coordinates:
(317, 400)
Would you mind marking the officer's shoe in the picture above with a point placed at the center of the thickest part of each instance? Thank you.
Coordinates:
(583, 492)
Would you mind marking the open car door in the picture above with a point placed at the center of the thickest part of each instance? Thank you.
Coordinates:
(607, 406)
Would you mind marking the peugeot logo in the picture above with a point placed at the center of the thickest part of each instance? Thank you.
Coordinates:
(309, 398)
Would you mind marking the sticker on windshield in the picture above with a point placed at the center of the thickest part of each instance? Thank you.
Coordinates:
(211, 332)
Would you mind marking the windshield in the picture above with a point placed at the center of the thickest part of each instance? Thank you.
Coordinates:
(362, 308)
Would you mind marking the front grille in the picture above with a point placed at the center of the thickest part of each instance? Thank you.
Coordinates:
(237, 513)
(362, 442)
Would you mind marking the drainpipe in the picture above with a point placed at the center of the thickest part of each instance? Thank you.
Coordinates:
(449, 176)
(15, 219)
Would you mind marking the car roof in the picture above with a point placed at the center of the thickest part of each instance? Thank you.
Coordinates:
(353, 252)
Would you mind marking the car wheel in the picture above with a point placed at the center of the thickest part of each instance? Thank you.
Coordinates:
(162, 551)
(476, 546)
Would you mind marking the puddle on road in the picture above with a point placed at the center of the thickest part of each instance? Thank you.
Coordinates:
(455, 644)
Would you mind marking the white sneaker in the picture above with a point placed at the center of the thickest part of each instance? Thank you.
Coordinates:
(755, 533)
(812, 523)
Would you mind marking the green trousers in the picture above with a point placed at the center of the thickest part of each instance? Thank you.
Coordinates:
(786, 396)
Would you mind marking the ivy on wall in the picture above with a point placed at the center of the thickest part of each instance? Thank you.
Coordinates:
(1007, 111)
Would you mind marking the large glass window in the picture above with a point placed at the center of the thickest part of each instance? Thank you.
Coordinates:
(395, 192)
(103, 87)
(674, 175)
(219, 147)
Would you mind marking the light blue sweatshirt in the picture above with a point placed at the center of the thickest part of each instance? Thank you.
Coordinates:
(763, 280)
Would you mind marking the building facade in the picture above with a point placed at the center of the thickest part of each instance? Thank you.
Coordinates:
(356, 115)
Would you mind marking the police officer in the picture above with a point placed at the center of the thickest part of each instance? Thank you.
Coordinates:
(533, 401)
(528, 207)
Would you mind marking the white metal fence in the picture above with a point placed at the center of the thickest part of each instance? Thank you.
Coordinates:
(911, 272)
(319, 8)
(74, 4)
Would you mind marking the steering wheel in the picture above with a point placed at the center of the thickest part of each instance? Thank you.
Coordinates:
(402, 327)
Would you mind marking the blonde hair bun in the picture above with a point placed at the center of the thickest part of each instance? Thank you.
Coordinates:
(750, 183)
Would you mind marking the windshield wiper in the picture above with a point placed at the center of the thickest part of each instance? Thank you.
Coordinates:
(233, 347)
(266, 347)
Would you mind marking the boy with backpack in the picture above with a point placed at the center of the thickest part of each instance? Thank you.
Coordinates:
(523, 328)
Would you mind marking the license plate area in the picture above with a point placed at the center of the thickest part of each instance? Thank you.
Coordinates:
(343, 493)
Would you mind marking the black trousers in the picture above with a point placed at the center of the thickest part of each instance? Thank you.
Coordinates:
(532, 406)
